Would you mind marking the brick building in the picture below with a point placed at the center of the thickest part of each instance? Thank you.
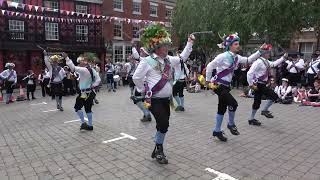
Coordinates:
(118, 34)
(59, 25)
(306, 42)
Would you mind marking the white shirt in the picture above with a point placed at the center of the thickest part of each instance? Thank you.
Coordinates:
(282, 91)
(85, 81)
(315, 64)
(135, 53)
(60, 75)
(299, 65)
(222, 62)
(152, 76)
(179, 72)
(5, 74)
(130, 69)
(259, 68)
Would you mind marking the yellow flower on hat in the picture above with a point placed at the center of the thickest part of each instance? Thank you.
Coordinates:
(55, 58)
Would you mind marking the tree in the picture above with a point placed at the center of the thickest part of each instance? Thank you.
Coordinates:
(274, 21)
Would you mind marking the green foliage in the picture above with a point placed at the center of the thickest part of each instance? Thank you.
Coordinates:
(274, 21)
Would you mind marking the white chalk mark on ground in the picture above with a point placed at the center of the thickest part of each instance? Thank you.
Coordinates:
(220, 175)
(76, 120)
(123, 136)
(51, 110)
(39, 104)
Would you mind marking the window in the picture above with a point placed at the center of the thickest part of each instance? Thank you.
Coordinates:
(81, 8)
(16, 29)
(118, 53)
(136, 6)
(153, 9)
(128, 51)
(307, 49)
(118, 5)
(52, 31)
(117, 30)
(51, 4)
(82, 33)
(168, 13)
(135, 29)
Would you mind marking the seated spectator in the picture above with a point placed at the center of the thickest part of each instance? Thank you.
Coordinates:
(284, 92)
(301, 96)
(194, 87)
(314, 93)
(272, 84)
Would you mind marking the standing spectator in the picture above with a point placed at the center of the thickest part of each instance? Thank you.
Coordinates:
(313, 69)
(109, 69)
(67, 82)
(10, 80)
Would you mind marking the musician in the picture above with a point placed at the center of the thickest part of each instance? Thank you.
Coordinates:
(30, 80)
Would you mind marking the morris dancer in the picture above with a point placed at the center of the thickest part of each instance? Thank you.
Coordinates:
(157, 71)
(137, 97)
(89, 80)
(257, 77)
(57, 74)
(9, 77)
(225, 63)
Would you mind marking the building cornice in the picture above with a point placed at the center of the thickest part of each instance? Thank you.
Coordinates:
(90, 1)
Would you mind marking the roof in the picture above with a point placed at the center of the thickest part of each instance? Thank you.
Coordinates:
(91, 1)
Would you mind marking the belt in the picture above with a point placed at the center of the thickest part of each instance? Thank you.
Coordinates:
(86, 90)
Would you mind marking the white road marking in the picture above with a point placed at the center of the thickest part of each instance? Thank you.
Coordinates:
(124, 136)
(220, 175)
(38, 104)
(76, 120)
(51, 110)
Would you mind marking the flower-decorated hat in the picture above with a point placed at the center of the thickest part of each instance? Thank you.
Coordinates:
(155, 36)
(228, 41)
(55, 58)
(265, 49)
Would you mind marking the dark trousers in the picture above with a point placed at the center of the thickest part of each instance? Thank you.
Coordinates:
(56, 90)
(178, 88)
(263, 90)
(8, 85)
(311, 79)
(68, 87)
(160, 108)
(294, 79)
(226, 100)
(85, 102)
(44, 87)
(30, 89)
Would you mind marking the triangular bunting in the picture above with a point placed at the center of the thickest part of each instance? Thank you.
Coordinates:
(36, 8)
(23, 6)
(30, 7)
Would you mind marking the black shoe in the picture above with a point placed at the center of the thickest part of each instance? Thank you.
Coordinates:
(89, 128)
(96, 101)
(182, 108)
(34, 98)
(233, 129)
(159, 155)
(114, 90)
(267, 114)
(220, 136)
(83, 126)
(61, 108)
(254, 122)
(146, 119)
(28, 99)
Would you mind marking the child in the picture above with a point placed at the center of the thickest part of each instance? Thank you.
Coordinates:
(301, 96)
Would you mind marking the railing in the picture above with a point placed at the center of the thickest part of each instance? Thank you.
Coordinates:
(74, 40)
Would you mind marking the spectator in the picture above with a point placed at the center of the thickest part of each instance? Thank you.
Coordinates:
(284, 92)
(109, 69)
(30, 80)
(314, 93)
